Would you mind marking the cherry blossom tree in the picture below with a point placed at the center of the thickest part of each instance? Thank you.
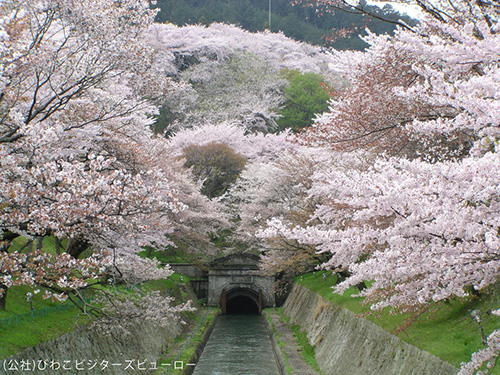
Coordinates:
(216, 154)
(229, 74)
(277, 189)
(371, 114)
(71, 89)
(78, 89)
(421, 223)
(254, 146)
(459, 103)
(122, 314)
(182, 47)
(243, 89)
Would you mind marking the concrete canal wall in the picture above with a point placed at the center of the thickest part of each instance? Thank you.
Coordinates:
(345, 344)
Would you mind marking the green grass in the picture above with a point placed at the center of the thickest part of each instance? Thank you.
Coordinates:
(17, 304)
(166, 284)
(280, 343)
(445, 330)
(48, 244)
(179, 279)
(164, 256)
(307, 350)
(43, 326)
(34, 331)
(31, 333)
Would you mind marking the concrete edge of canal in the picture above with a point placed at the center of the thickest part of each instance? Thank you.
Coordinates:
(280, 360)
(188, 370)
(342, 343)
(288, 356)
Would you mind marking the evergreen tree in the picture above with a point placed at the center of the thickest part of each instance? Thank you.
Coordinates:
(305, 97)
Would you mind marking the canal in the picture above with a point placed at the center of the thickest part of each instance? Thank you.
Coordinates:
(239, 345)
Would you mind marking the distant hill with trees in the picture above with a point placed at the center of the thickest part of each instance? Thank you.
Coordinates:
(298, 22)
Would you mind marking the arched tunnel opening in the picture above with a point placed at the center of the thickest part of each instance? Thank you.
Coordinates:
(241, 301)
(241, 305)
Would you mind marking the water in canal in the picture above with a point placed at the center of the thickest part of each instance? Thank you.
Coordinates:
(238, 345)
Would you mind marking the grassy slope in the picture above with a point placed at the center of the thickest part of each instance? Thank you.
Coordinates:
(48, 244)
(17, 303)
(446, 330)
(280, 343)
(31, 332)
(14, 339)
(164, 256)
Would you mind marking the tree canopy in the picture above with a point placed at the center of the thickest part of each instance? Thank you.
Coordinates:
(300, 23)
(305, 97)
(396, 183)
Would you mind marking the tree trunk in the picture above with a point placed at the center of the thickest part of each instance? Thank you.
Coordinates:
(57, 245)
(342, 275)
(3, 298)
(39, 243)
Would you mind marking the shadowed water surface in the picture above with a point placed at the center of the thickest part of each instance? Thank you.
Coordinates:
(238, 345)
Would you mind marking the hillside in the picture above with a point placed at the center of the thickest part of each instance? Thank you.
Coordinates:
(298, 22)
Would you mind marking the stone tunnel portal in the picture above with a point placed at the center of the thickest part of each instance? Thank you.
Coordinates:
(235, 286)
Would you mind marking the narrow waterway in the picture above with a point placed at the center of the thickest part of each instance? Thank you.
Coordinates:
(238, 345)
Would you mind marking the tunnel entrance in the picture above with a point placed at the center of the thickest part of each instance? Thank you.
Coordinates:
(238, 274)
(241, 305)
(241, 301)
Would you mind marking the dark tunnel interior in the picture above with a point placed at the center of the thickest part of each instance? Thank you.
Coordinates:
(241, 305)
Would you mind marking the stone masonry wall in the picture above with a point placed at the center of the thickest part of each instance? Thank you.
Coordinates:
(345, 344)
